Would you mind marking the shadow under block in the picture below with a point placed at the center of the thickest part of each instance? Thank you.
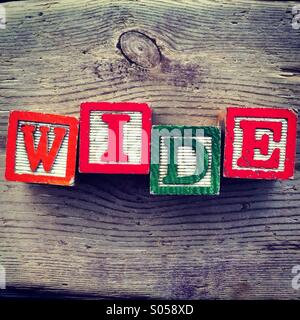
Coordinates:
(185, 160)
(41, 148)
(115, 138)
(260, 143)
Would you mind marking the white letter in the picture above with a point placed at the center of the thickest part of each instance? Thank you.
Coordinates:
(137, 310)
(2, 17)
(296, 279)
(2, 278)
(296, 17)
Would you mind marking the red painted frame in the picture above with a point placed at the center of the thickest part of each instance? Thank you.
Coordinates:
(85, 166)
(275, 113)
(15, 117)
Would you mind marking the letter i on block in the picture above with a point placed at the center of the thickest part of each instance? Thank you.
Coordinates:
(115, 138)
(41, 148)
(185, 160)
(260, 143)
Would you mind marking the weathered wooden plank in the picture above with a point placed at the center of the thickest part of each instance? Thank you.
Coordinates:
(108, 236)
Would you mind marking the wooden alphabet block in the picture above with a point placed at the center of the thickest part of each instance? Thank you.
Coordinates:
(41, 148)
(185, 160)
(115, 137)
(260, 143)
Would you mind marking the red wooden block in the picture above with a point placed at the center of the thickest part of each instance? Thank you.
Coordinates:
(260, 143)
(41, 148)
(115, 137)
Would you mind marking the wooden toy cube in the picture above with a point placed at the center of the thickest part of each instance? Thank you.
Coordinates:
(115, 137)
(260, 143)
(41, 148)
(185, 160)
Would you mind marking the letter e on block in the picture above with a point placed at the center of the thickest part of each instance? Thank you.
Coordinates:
(115, 138)
(260, 143)
(41, 148)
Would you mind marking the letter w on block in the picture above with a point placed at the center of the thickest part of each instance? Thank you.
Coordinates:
(42, 154)
(185, 160)
(41, 148)
(114, 137)
(260, 143)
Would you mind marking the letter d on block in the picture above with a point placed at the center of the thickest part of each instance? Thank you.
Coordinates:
(173, 176)
(185, 160)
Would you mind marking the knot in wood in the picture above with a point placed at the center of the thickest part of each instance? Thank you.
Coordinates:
(140, 49)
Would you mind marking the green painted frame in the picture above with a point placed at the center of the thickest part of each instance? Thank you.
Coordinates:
(214, 189)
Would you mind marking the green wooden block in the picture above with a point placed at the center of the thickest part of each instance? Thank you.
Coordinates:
(185, 160)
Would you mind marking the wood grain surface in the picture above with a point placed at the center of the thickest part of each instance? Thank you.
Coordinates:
(107, 236)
